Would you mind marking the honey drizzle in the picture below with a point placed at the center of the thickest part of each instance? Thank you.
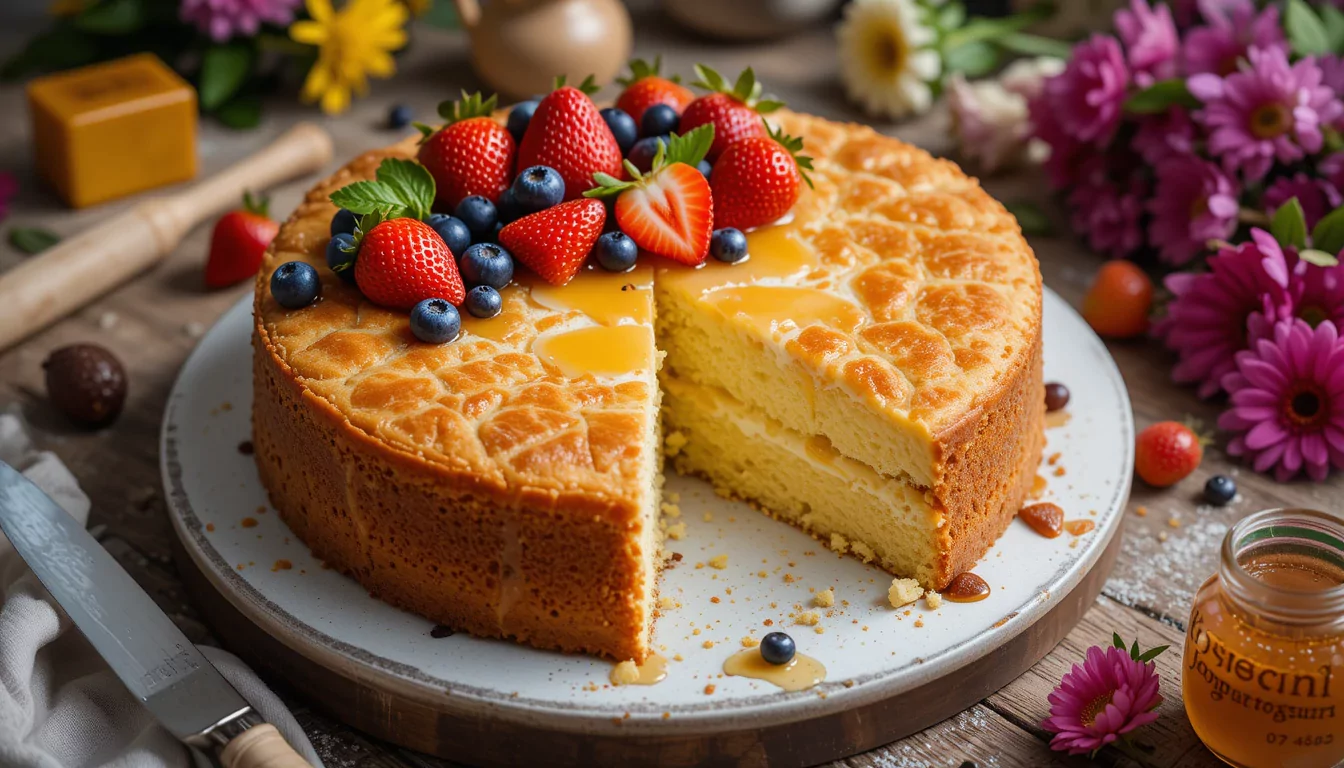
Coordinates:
(651, 672)
(775, 307)
(801, 673)
(774, 251)
(1046, 519)
(600, 350)
(1057, 419)
(966, 588)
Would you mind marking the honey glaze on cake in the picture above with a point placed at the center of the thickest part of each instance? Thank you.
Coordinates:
(507, 484)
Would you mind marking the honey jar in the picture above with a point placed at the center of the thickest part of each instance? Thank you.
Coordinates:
(1264, 649)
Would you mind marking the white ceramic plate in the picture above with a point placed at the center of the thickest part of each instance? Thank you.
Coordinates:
(871, 651)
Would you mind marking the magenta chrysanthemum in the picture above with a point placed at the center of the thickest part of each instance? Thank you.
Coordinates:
(1108, 216)
(1151, 40)
(1286, 402)
(1194, 203)
(1318, 292)
(1270, 111)
(1100, 700)
(1317, 196)
(1232, 29)
(222, 19)
(1087, 98)
(1062, 164)
(1206, 322)
(1165, 135)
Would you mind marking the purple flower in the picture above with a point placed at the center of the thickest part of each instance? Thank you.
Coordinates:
(222, 19)
(1102, 699)
(1151, 39)
(1317, 196)
(1270, 111)
(1087, 98)
(1233, 28)
(1066, 152)
(1332, 71)
(1206, 322)
(1108, 216)
(1286, 401)
(1194, 203)
(1165, 135)
(1318, 293)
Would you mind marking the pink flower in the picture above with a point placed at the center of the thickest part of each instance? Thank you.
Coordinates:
(1317, 196)
(1066, 152)
(1104, 698)
(1286, 401)
(1206, 322)
(1318, 292)
(1233, 28)
(9, 187)
(1108, 216)
(989, 122)
(1332, 71)
(1088, 97)
(1165, 135)
(1331, 169)
(1150, 38)
(222, 19)
(1270, 111)
(1194, 203)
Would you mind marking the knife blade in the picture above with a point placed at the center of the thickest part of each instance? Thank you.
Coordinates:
(156, 662)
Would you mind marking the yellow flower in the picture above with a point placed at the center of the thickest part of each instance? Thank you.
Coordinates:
(65, 8)
(354, 45)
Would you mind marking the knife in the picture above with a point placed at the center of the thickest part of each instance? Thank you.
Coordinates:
(160, 666)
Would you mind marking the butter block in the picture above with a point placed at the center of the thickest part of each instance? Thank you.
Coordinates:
(112, 129)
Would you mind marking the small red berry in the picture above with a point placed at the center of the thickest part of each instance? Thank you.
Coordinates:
(1166, 452)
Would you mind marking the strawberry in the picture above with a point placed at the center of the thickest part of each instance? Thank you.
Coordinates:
(471, 155)
(568, 134)
(554, 242)
(403, 262)
(758, 179)
(238, 242)
(645, 88)
(734, 110)
(668, 211)
(1166, 452)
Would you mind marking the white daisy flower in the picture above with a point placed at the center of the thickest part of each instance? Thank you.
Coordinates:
(886, 61)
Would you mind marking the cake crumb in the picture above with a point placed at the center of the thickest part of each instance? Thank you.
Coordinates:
(919, 623)
(933, 600)
(667, 602)
(210, 527)
(709, 517)
(808, 618)
(625, 673)
(715, 599)
(673, 443)
(904, 592)
(863, 551)
(718, 562)
(707, 644)
(762, 574)
(676, 531)
(749, 642)
(281, 565)
(825, 598)
(789, 578)
(1162, 536)
(839, 543)
(678, 657)
(820, 630)
(671, 510)
(249, 522)
(674, 497)
(709, 689)
(849, 683)
(1173, 523)
(1059, 471)
(1141, 511)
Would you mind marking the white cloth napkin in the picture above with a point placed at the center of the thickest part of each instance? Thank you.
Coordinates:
(60, 706)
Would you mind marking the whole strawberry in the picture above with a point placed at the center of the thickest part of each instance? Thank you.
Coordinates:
(734, 111)
(554, 242)
(1166, 453)
(645, 87)
(471, 155)
(238, 242)
(668, 211)
(567, 133)
(403, 262)
(758, 179)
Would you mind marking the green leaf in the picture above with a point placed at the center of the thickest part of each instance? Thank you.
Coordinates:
(1318, 257)
(1328, 235)
(224, 68)
(1134, 650)
(365, 197)
(32, 240)
(112, 17)
(1289, 225)
(951, 16)
(1160, 97)
(1333, 20)
(241, 113)
(1306, 32)
(1116, 641)
(410, 183)
(985, 29)
(1031, 218)
(1152, 653)
(973, 59)
(1026, 44)
(691, 147)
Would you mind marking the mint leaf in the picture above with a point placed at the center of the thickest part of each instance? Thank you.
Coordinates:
(1289, 225)
(365, 197)
(32, 240)
(1160, 97)
(410, 183)
(1304, 28)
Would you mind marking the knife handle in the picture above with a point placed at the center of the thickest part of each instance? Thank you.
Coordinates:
(261, 746)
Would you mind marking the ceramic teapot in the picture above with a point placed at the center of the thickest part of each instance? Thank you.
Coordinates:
(519, 46)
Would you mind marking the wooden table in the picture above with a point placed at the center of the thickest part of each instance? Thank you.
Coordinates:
(153, 323)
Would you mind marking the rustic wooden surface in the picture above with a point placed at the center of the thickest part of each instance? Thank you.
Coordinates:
(153, 323)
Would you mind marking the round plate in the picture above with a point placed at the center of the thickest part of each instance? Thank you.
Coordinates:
(453, 695)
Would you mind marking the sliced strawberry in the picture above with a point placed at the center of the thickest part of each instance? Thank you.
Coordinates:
(403, 262)
(646, 87)
(670, 210)
(758, 179)
(567, 133)
(471, 155)
(554, 242)
(734, 110)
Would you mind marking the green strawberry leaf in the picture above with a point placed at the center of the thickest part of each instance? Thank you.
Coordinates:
(709, 79)
(1289, 225)
(258, 204)
(689, 148)
(640, 69)
(469, 106)
(794, 144)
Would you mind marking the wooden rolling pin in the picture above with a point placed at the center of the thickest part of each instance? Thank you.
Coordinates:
(64, 278)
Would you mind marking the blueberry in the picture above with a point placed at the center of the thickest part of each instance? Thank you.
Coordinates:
(520, 116)
(615, 252)
(478, 214)
(484, 301)
(777, 648)
(622, 126)
(453, 231)
(435, 321)
(341, 256)
(1220, 490)
(507, 208)
(704, 168)
(486, 264)
(643, 152)
(295, 284)
(729, 245)
(658, 120)
(399, 116)
(538, 188)
(343, 222)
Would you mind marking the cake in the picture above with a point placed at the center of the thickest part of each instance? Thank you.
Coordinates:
(872, 375)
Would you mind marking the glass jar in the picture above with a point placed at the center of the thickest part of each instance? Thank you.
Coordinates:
(1263, 675)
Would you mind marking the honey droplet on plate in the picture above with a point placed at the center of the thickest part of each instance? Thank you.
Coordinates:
(653, 670)
(1079, 527)
(802, 672)
(1045, 518)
